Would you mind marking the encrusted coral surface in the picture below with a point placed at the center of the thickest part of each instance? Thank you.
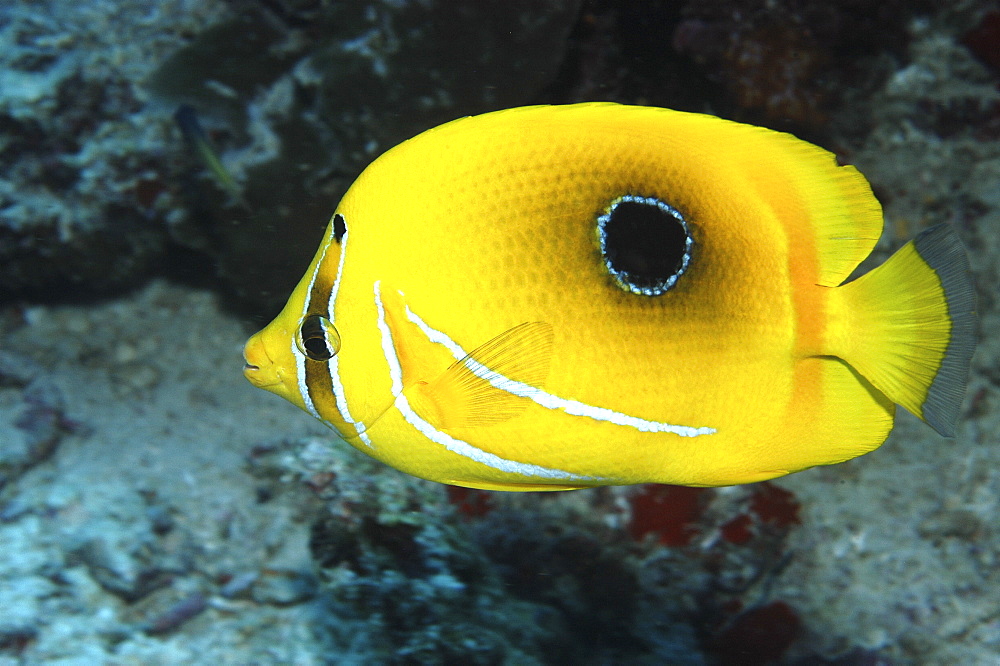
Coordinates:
(299, 96)
(78, 138)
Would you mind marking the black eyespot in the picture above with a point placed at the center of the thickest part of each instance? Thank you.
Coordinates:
(318, 338)
(646, 244)
(339, 227)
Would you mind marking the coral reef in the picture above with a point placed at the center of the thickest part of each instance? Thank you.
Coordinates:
(79, 143)
(40, 421)
(299, 97)
(156, 509)
(538, 578)
(314, 94)
(437, 585)
(787, 63)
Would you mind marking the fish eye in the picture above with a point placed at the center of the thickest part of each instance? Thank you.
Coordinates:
(318, 338)
(646, 244)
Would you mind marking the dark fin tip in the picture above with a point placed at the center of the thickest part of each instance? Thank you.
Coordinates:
(941, 248)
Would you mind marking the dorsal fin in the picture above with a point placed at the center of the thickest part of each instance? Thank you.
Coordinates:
(843, 213)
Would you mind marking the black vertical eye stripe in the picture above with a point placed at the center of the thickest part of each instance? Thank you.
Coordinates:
(339, 227)
(318, 380)
(322, 287)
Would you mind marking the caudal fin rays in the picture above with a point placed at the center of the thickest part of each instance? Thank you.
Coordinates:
(941, 249)
(912, 327)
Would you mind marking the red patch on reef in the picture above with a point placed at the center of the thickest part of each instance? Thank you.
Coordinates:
(768, 64)
(774, 505)
(984, 41)
(470, 502)
(759, 636)
(669, 512)
(772, 68)
(737, 530)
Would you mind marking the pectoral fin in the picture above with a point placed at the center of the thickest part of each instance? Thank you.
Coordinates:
(490, 385)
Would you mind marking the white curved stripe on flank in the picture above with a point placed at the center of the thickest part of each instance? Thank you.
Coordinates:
(333, 366)
(454, 445)
(547, 400)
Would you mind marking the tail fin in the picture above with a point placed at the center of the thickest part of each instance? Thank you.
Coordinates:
(911, 326)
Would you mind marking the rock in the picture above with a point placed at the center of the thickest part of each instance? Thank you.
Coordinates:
(304, 100)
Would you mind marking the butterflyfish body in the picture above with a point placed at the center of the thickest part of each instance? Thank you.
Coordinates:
(557, 297)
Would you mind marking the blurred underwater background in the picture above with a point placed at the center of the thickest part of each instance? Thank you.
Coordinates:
(166, 172)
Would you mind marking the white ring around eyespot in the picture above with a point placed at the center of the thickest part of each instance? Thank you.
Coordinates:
(621, 277)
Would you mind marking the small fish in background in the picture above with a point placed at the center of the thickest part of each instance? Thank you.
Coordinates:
(557, 297)
(187, 120)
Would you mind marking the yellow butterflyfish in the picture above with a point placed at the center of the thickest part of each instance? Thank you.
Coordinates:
(558, 297)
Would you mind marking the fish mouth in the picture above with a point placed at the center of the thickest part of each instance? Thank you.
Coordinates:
(263, 373)
(261, 378)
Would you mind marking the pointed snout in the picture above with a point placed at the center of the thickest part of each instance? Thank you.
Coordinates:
(260, 370)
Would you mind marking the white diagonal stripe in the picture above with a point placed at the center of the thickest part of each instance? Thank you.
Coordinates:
(454, 445)
(548, 400)
(333, 366)
(300, 358)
